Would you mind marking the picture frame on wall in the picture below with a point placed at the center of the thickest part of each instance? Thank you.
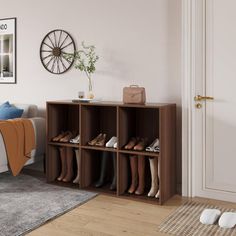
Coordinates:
(8, 51)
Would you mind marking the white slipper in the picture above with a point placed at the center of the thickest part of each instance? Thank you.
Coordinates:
(111, 142)
(227, 220)
(76, 139)
(115, 145)
(209, 216)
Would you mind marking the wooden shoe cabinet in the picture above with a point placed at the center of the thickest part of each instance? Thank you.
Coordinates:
(121, 120)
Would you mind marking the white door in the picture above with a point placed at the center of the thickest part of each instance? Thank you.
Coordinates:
(214, 121)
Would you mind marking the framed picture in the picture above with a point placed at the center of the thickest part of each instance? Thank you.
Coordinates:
(8, 51)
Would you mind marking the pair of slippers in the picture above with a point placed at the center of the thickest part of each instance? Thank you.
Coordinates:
(226, 220)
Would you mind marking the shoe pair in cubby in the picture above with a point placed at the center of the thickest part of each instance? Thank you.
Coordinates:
(138, 177)
(67, 137)
(140, 144)
(69, 171)
(101, 141)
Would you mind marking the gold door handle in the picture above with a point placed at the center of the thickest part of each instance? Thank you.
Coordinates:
(200, 98)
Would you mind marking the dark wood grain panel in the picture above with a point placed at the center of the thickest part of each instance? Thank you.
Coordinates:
(125, 121)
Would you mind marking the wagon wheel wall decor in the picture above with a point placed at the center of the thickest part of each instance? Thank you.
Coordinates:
(54, 45)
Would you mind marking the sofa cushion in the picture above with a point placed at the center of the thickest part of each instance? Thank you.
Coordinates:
(5, 104)
(29, 110)
(9, 112)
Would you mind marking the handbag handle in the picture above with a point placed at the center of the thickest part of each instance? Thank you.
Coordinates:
(134, 86)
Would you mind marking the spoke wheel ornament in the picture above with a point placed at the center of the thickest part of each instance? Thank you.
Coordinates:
(53, 47)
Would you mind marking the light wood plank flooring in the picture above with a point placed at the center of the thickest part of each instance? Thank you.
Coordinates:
(107, 215)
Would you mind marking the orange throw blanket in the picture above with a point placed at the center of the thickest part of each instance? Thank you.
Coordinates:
(19, 139)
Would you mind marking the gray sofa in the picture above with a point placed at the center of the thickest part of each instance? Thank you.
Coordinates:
(39, 124)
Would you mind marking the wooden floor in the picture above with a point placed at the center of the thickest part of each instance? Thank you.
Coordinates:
(107, 215)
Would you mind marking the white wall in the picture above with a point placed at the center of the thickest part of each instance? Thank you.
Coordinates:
(138, 42)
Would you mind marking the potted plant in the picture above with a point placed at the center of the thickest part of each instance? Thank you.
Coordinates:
(85, 60)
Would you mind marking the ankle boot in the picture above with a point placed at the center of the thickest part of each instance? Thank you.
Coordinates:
(62, 151)
(141, 175)
(153, 168)
(77, 180)
(69, 163)
(134, 173)
(113, 184)
(101, 180)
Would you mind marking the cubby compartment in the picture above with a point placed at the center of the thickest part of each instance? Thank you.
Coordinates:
(55, 166)
(138, 122)
(125, 176)
(96, 120)
(95, 164)
(62, 118)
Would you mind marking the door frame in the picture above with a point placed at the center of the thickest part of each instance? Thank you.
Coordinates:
(193, 67)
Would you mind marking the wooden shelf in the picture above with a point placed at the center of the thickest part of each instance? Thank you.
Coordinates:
(64, 144)
(142, 153)
(150, 121)
(99, 148)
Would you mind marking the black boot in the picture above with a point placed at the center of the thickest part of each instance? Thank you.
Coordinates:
(101, 180)
(113, 184)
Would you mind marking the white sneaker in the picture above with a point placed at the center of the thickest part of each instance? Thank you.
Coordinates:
(115, 145)
(111, 142)
(76, 139)
(154, 146)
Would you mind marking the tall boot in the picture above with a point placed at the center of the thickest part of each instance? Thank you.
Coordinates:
(69, 163)
(113, 184)
(158, 192)
(141, 175)
(101, 180)
(134, 173)
(77, 180)
(62, 151)
(154, 172)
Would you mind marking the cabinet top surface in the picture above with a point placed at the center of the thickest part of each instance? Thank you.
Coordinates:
(110, 103)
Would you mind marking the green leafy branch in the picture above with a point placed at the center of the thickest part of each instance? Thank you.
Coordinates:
(84, 60)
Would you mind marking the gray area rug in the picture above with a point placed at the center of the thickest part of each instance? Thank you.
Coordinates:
(27, 202)
(184, 221)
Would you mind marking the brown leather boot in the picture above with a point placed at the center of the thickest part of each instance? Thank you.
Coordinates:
(62, 151)
(69, 163)
(134, 173)
(141, 175)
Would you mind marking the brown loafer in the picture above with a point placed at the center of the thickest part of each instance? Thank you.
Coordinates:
(92, 142)
(101, 141)
(132, 142)
(140, 146)
(66, 138)
(58, 137)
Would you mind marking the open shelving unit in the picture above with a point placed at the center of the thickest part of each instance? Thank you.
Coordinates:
(123, 121)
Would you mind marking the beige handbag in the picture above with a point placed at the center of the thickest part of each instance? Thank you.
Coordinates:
(134, 94)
